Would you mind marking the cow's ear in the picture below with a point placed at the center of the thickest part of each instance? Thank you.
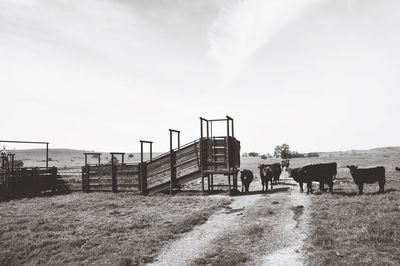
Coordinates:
(356, 166)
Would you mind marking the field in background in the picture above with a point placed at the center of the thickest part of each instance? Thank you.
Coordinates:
(67, 158)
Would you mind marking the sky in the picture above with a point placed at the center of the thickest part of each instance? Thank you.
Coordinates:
(320, 75)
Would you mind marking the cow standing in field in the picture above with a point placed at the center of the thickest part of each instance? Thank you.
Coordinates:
(324, 173)
(363, 176)
(285, 165)
(276, 172)
(246, 176)
(266, 174)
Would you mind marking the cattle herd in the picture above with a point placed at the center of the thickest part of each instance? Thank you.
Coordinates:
(324, 173)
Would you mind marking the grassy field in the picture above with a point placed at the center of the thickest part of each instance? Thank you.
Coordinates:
(348, 229)
(123, 229)
(96, 228)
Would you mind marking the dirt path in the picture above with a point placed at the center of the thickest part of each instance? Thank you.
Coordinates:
(186, 249)
(282, 245)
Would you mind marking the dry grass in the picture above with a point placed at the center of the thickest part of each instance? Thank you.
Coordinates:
(348, 229)
(96, 228)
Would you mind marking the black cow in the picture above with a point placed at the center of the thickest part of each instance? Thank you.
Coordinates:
(285, 164)
(277, 171)
(266, 174)
(324, 173)
(397, 169)
(368, 176)
(246, 176)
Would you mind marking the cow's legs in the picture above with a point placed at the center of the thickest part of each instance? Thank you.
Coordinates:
(381, 186)
(309, 188)
(321, 186)
(330, 184)
(247, 187)
(360, 188)
(301, 187)
(271, 184)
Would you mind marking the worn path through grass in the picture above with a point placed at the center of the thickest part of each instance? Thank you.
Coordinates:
(257, 229)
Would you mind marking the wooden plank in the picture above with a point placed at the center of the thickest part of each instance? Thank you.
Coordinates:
(128, 186)
(186, 157)
(158, 171)
(126, 181)
(188, 170)
(187, 150)
(158, 167)
(159, 176)
(187, 164)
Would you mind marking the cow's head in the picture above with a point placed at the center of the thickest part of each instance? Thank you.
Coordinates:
(352, 168)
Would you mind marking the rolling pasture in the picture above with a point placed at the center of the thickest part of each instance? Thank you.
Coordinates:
(129, 229)
(348, 229)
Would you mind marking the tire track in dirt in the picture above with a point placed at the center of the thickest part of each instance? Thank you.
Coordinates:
(186, 249)
(282, 245)
(291, 230)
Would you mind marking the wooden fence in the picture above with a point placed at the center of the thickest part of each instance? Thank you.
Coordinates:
(202, 157)
(108, 177)
(71, 178)
(24, 182)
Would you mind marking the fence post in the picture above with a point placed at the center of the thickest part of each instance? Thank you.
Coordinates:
(173, 171)
(36, 181)
(54, 172)
(86, 182)
(143, 177)
(113, 177)
(7, 186)
(140, 177)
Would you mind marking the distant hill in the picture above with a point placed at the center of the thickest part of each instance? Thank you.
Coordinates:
(74, 158)
(387, 150)
(68, 157)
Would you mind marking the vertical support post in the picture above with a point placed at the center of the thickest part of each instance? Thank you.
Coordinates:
(47, 155)
(54, 179)
(229, 184)
(87, 187)
(173, 171)
(143, 167)
(233, 128)
(36, 181)
(151, 151)
(173, 159)
(98, 158)
(113, 174)
(179, 139)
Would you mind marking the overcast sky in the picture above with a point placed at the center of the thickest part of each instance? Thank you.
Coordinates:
(320, 75)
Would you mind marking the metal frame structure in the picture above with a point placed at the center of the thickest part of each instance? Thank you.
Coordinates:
(32, 142)
(98, 154)
(173, 158)
(142, 168)
(209, 135)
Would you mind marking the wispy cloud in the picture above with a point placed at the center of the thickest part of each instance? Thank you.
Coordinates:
(243, 26)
